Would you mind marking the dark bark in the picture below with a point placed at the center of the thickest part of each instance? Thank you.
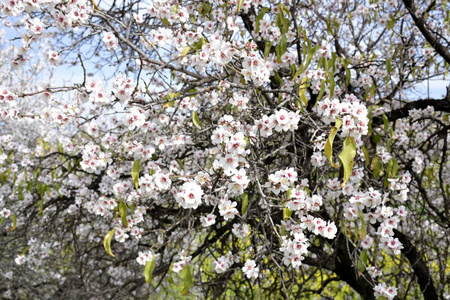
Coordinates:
(427, 33)
(346, 270)
(418, 264)
(438, 105)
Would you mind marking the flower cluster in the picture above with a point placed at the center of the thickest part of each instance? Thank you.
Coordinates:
(7, 102)
(123, 88)
(144, 257)
(241, 230)
(189, 195)
(134, 118)
(350, 110)
(280, 121)
(97, 93)
(255, 70)
(184, 260)
(294, 249)
(223, 263)
(282, 180)
(65, 15)
(382, 290)
(94, 159)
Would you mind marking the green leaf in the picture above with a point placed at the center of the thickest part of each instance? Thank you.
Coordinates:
(135, 172)
(199, 44)
(283, 44)
(364, 257)
(366, 155)
(347, 156)
(25, 250)
(278, 78)
(261, 14)
(170, 280)
(347, 76)
(386, 122)
(185, 51)
(373, 90)
(186, 276)
(329, 144)
(287, 213)
(148, 271)
(332, 83)
(377, 138)
(278, 53)
(392, 168)
(4, 176)
(41, 188)
(302, 95)
(195, 119)
(388, 65)
(107, 242)
(321, 92)
(267, 49)
(40, 206)
(289, 193)
(20, 191)
(14, 220)
(123, 208)
(363, 229)
(165, 21)
(60, 148)
(376, 166)
(239, 6)
(171, 96)
(309, 57)
(361, 266)
(244, 203)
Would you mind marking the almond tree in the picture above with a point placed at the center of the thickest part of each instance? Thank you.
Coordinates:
(239, 149)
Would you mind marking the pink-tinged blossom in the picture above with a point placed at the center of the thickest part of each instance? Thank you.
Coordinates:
(5, 213)
(189, 195)
(367, 242)
(208, 220)
(236, 144)
(250, 269)
(53, 58)
(294, 249)
(20, 259)
(144, 257)
(239, 183)
(382, 290)
(111, 42)
(135, 118)
(427, 52)
(241, 230)
(282, 180)
(329, 231)
(227, 209)
(184, 260)
(123, 87)
(318, 159)
(284, 120)
(138, 17)
(120, 235)
(374, 272)
(222, 264)
(162, 181)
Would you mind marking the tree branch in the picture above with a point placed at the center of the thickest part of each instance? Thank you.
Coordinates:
(429, 36)
(420, 268)
(438, 105)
